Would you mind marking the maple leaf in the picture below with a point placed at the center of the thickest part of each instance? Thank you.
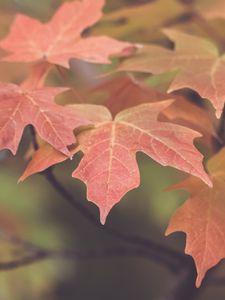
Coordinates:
(109, 166)
(124, 92)
(20, 107)
(185, 113)
(202, 217)
(48, 156)
(60, 39)
(197, 61)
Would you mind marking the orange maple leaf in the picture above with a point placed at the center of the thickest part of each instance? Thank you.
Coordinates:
(109, 166)
(202, 217)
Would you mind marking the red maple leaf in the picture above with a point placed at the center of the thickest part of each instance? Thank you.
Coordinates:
(109, 166)
(202, 217)
(20, 107)
(60, 39)
(123, 92)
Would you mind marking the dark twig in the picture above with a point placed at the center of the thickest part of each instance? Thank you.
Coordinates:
(182, 286)
(129, 238)
(24, 261)
(104, 253)
(171, 258)
(36, 254)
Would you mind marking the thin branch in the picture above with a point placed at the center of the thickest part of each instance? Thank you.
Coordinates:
(182, 285)
(165, 255)
(129, 238)
(37, 254)
(183, 277)
(24, 261)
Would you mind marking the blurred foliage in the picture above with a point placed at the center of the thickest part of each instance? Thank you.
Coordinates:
(140, 23)
(34, 211)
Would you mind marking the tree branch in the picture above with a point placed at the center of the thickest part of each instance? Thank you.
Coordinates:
(169, 256)
(24, 261)
(182, 286)
(172, 259)
(36, 254)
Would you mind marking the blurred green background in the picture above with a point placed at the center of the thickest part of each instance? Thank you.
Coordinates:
(35, 211)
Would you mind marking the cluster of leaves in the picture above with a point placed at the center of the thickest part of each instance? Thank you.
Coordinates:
(135, 116)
